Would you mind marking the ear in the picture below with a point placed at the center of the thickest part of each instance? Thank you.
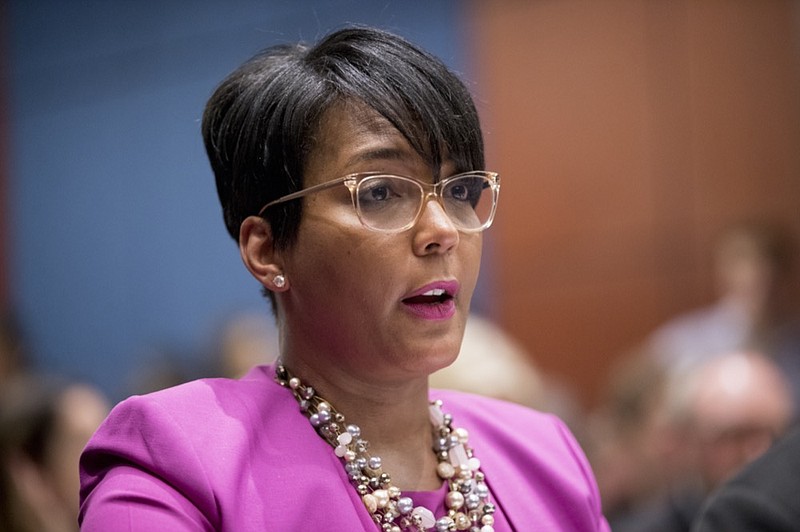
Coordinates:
(257, 248)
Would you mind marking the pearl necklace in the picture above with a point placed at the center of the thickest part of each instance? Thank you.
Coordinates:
(467, 500)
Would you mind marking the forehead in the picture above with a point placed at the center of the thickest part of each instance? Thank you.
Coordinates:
(353, 137)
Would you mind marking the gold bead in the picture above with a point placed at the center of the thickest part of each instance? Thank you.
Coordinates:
(462, 521)
(373, 472)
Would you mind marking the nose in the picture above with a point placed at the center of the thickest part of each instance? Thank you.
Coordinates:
(434, 231)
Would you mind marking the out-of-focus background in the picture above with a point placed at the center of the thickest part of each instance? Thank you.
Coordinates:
(648, 222)
(631, 134)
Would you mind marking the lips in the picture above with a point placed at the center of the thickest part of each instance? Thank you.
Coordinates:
(434, 301)
(436, 295)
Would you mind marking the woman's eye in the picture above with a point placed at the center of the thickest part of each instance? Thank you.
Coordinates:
(466, 192)
(380, 190)
(459, 192)
(378, 193)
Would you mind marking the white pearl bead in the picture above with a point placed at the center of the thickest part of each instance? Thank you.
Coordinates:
(381, 497)
(455, 500)
(474, 464)
(445, 470)
(370, 503)
(405, 505)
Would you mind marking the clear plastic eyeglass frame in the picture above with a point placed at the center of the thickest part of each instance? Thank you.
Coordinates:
(427, 192)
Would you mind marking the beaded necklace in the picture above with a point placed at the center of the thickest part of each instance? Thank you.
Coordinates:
(467, 500)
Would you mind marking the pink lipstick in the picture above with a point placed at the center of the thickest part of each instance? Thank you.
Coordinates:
(434, 301)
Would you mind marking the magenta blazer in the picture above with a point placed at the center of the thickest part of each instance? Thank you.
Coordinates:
(238, 455)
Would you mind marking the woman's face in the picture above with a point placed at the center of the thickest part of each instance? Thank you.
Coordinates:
(384, 306)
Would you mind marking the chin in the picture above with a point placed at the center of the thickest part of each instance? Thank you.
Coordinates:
(433, 362)
(426, 355)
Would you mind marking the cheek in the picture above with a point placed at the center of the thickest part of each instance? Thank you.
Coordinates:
(471, 260)
(333, 262)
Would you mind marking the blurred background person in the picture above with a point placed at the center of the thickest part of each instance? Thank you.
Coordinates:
(493, 364)
(763, 496)
(756, 308)
(714, 419)
(737, 406)
(44, 425)
(162, 366)
(628, 437)
(244, 340)
(241, 341)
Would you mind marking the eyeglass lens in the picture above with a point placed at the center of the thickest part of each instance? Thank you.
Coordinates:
(391, 202)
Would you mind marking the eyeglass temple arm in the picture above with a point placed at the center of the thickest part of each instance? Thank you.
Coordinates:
(304, 192)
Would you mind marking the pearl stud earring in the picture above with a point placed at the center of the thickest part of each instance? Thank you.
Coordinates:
(279, 280)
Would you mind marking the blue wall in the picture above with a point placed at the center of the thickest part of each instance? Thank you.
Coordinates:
(117, 243)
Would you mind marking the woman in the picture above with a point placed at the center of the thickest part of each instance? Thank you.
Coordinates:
(351, 175)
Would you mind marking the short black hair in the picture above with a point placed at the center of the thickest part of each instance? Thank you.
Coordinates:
(259, 125)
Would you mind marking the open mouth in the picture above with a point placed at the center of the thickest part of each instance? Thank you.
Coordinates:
(434, 301)
(431, 297)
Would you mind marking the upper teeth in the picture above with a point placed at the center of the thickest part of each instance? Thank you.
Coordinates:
(434, 292)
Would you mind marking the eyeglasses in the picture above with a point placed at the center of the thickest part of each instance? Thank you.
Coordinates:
(393, 203)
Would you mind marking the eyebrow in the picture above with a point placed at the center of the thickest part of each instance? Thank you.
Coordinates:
(379, 154)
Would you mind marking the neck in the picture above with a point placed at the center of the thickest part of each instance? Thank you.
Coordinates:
(393, 417)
